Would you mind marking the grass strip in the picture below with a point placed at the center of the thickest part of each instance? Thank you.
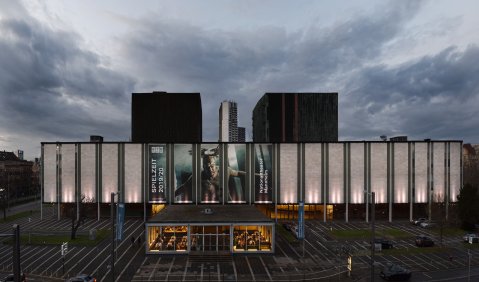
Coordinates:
(58, 239)
(17, 216)
(390, 233)
(404, 251)
(449, 231)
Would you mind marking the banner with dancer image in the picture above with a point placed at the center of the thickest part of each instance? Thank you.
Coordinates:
(236, 175)
(210, 174)
(183, 170)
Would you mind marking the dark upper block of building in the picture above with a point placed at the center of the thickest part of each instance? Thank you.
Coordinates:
(166, 117)
(296, 117)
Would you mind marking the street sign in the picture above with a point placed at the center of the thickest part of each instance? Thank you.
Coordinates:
(64, 248)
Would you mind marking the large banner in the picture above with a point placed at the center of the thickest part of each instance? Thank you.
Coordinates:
(157, 173)
(183, 173)
(263, 167)
(210, 173)
(235, 176)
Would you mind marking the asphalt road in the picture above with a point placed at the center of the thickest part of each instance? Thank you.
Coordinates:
(31, 206)
(318, 258)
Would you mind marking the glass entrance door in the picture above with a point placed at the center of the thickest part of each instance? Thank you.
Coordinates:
(210, 242)
(210, 235)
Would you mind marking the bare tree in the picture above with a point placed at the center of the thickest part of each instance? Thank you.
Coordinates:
(78, 220)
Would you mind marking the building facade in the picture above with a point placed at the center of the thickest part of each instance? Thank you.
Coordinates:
(329, 178)
(18, 178)
(228, 119)
(296, 117)
(166, 117)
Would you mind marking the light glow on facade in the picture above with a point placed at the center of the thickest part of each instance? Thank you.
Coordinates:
(420, 173)
(336, 173)
(288, 173)
(109, 171)
(379, 171)
(88, 171)
(357, 173)
(68, 173)
(312, 171)
(400, 173)
(132, 173)
(50, 173)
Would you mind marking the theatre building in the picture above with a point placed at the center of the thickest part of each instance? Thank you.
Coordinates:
(227, 196)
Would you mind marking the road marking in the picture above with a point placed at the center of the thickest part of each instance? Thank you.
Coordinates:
(52, 249)
(250, 269)
(126, 266)
(108, 246)
(169, 269)
(234, 270)
(116, 251)
(154, 269)
(201, 271)
(267, 271)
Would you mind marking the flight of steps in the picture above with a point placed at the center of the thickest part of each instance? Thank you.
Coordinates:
(210, 257)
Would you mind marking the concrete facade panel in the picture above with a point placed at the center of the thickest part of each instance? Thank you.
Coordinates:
(109, 171)
(88, 171)
(50, 173)
(379, 171)
(400, 173)
(420, 172)
(133, 191)
(357, 173)
(288, 173)
(68, 173)
(438, 172)
(312, 172)
(336, 173)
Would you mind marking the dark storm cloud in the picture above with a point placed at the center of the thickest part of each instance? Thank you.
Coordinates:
(243, 65)
(52, 88)
(434, 97)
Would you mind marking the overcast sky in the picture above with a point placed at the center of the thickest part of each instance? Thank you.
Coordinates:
(68, 68)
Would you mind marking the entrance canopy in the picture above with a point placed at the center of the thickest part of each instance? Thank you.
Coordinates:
(181, 229)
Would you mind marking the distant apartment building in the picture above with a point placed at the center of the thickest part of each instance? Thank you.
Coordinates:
(17, 176)
(296, 117)
(166, 117)
(228, 122)
(398, 139)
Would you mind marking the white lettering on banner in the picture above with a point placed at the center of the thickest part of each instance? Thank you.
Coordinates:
(265, 182)
(153, 176)
(261, 177)
(160, 179)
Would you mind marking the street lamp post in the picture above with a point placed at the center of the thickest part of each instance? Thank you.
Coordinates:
(373, 216)
(113, 233)
(469, 264)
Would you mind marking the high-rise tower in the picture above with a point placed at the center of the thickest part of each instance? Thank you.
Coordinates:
(228, 122)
